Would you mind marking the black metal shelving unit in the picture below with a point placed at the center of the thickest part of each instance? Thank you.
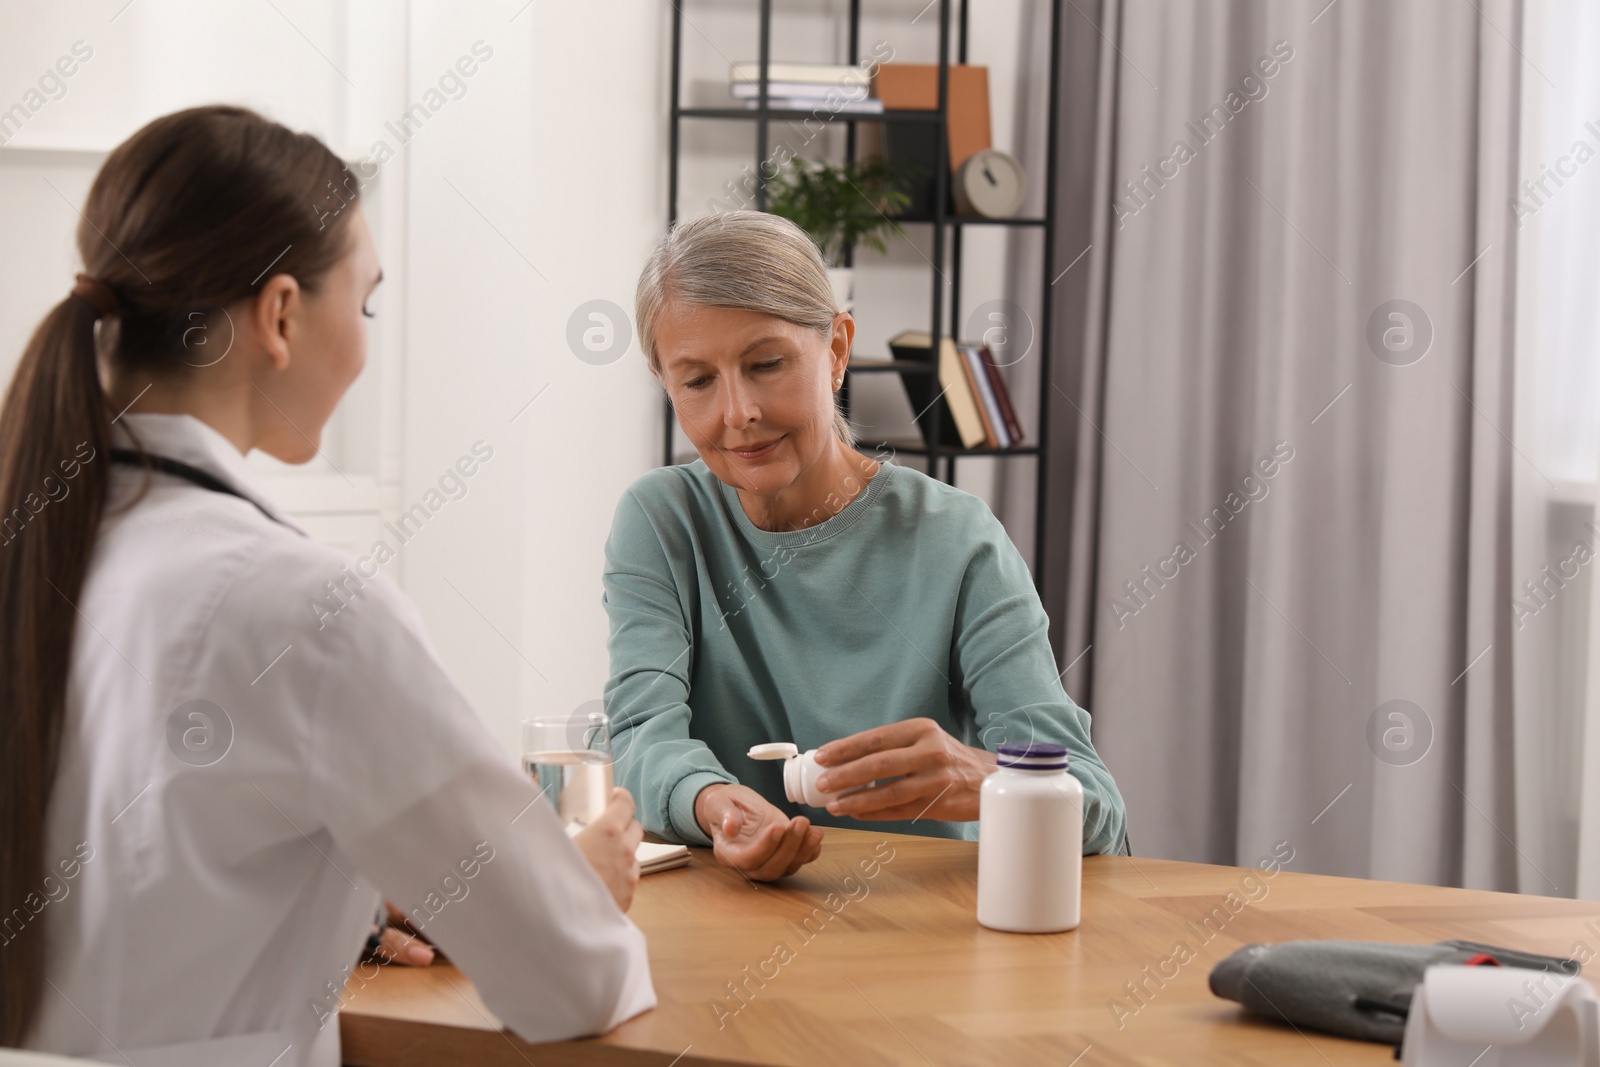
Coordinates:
(947, 228)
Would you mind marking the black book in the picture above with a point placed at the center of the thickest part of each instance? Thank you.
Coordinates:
(944, 391)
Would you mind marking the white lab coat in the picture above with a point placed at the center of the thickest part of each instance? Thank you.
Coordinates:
(224, 901)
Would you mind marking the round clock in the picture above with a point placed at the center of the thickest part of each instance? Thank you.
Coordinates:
(990, 184)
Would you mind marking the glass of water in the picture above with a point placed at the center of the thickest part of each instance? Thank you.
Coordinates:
(569, 758)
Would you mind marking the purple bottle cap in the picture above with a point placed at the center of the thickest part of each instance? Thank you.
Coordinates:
(1033, 756)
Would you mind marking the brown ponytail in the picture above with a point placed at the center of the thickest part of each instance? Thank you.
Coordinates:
(185, 217)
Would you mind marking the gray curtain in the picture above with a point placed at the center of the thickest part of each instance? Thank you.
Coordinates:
(1278, 556)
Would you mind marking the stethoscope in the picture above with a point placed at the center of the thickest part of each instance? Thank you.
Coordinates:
(179, 469)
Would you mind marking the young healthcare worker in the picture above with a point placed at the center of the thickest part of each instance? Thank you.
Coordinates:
(207, 781)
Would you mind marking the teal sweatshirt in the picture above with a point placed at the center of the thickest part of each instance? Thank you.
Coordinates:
(911, 601)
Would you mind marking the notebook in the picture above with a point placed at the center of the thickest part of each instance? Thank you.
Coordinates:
(654, 857)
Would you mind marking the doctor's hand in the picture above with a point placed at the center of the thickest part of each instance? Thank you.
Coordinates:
(399, 943)
(938, 777)
(751, 835)
(611, 845)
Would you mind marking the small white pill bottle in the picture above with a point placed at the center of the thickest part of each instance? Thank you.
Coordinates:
(1030, 842)
(800, 773)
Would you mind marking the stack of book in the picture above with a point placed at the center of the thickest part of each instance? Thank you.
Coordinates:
(804, 87)
(972, 402)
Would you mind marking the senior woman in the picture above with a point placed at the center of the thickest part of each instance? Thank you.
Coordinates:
(785, 587)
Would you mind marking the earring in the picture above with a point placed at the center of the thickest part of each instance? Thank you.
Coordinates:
(837, 382)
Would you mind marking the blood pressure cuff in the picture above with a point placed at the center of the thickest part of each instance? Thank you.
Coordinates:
(1358, 989)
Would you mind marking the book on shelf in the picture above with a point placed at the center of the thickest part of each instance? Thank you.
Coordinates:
(914, 147)
(951, 399)
(800, 90)
(1002, 397)
(839, 74)
(994, 426)
(973, 402)
(915, 87)
(846, 107)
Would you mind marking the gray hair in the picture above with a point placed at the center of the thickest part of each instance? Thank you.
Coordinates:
(743, 260)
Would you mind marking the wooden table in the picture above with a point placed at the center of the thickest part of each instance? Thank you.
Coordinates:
(894, 969)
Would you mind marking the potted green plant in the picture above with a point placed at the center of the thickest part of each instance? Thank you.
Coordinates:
(839, 206)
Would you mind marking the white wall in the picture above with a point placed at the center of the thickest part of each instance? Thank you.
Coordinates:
(559, 144)
(540, 188)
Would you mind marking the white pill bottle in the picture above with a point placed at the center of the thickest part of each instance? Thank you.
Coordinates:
(1030, 842)
(800, 773)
